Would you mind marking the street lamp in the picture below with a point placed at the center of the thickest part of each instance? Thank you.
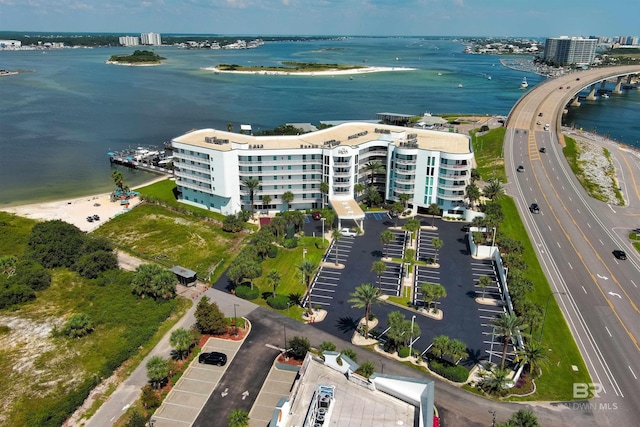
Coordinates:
(413, 319)
(545, 313)
(235, 321)
(322, 219)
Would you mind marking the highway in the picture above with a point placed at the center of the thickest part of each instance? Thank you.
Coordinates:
(574, 236)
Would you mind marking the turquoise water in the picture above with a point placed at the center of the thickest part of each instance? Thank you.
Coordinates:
(58, 122)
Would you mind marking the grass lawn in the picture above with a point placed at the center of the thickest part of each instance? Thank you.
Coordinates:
(489, 154)
(169, 238)
(558, 377)
(15, 233)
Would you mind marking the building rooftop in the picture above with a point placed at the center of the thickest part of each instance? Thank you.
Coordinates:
(350, 134)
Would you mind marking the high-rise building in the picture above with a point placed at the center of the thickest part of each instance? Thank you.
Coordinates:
(152, 39)
(567, 51)
(333, 166)
(129, 41)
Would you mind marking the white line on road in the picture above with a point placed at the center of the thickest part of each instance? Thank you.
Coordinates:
(585, 291)
(558, 243)
(601, 242)
(570, 266)
(632, 373)
(634, 283)
(578, 210)
(611, 208)
(549, 227)
(608, 332)
(588, 225)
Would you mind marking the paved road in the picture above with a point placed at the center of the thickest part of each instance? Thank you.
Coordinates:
(574, 236)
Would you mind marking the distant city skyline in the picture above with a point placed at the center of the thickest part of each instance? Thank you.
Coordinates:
(500, 18)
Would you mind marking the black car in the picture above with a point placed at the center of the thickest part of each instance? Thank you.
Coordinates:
(89, 219)
(213, 358)
(534, 208)
(96, 218)
(543, 150)
(520, 168)
(620, 254)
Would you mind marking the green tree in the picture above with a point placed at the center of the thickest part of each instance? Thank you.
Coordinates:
(434, 210)
(154, 281)
(398, 208)
(379, 268)
(410, 259)
(437, 245)
(266, 200)
(274, 278)
(324, 189)
(374, 168)
(78, 326)
(440, 346)
(366, 369)
(457, 350)
(335, 233)
(387, 237)
(404, 199)
(29, 273)
(118, 179)
(55, 244)
(432, 292)
(473, 194)
(327, 346)
(181, 340)
(250, 185)
(91, 265)
(400, 330)
(412, 226)
(209, 318)
(137, 419)
(495, 381)
(484, 282)
(373, 196)
(229, 127)
(350, 354)
(238, 418)
(307, 269)
(493, 189)
(521, 418)
(288, 197)
(534, 355)
(358, 188)
(157, 370)
(507, 326)
(364, 296)
(298, 347)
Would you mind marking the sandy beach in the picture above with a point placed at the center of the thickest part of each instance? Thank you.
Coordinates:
(364, 70)
(75, 211)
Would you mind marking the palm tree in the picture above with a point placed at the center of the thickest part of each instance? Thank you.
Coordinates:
(507, 326)
(533, 354)
(324, 189)
(379, 268)
(493, 189)
(412, 225)
(118, 179)
(229, 127)
(274, 278)
(484, 282)
(266, 200)
(288, 197)
(307, 268)
(157, 370)
(358, 188)
(364, 296)
(238, 418)
(251, 184)
(437, 244)
(398, 208)
(440, 346)
(404, 199)
(521, 418)
(335, 233)
(373, 168)
(433, 210)
(473, 194)
(386, 237)
(181, 339)
(432, 292)
(457, 350)
(495, 381)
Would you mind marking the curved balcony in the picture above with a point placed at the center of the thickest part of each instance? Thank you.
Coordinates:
(404, 180)
(451, 196)
(461, 166)
(405, 161)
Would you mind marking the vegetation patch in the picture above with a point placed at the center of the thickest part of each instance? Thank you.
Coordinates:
(291, 66)
(488, 152)
(138, 57)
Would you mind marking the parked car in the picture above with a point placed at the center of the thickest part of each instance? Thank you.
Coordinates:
(89, 219)
(520, 168)
(348, 233)
(620, 254)
(213, 358)
(534, 208)
(540, 114)
(96, 217)
(547, 126)
(393, 214)
(316, 215)
(543, 150)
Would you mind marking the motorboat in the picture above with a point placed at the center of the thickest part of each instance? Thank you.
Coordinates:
(524, 83)
(460, 86)
(489, 78)
(605, 96)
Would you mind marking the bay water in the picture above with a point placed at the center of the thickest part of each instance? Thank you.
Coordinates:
(58, 121)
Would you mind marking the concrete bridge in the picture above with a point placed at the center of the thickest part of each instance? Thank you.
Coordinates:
(546, 102)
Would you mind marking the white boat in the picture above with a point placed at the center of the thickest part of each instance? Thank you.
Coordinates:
(605, 96)
(460, 85)
(524, 83)
(489, 78)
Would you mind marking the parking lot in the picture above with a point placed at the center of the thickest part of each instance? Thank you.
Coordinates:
(423, 275)
(426, 251)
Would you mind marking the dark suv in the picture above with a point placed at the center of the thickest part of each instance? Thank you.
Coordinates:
(213, 358)
(620, 254)
(534, 208)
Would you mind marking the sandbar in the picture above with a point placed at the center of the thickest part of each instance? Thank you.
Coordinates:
(293, 72)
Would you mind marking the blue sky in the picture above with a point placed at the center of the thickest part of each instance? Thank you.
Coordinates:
(538, 18)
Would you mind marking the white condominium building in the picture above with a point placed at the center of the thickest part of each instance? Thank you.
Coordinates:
(574, 50)
(211, 167)
(152, 39)
(129, 41)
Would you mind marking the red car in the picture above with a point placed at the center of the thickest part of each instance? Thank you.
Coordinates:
(316, 215)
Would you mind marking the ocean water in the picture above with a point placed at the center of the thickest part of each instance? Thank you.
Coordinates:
(58, 122)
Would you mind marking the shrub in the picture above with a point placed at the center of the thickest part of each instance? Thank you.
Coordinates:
(78, 326)
(245, 292)
(150, 398)
(366, 369)
(136, 419)
(32, 274)
(327, 346)
(458, 373)
(273, 251)
(298, 347)
(279, 302)
(350, 354)
(403, 352)
(290, 243)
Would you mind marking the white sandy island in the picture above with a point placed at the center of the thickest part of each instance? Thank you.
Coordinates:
(75, 211)
(334, 72)
(135, 64)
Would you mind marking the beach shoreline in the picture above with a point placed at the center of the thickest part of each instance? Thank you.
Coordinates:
(76, 210)
(335, 72)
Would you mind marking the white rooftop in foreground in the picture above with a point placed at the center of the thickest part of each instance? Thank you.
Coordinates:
(354, 405)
